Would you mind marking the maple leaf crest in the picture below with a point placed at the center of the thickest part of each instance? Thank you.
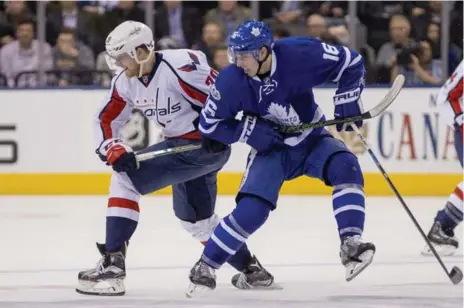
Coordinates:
(279, 114)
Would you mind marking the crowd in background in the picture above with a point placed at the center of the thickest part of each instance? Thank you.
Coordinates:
(393, 37)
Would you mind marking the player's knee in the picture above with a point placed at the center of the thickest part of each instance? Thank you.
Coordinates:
(343, 168)
(251, 213)
(201, 230)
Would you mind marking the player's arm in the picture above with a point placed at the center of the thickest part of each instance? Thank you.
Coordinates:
(217, 120)
(114, 114)
(345, 67)
(450, 98)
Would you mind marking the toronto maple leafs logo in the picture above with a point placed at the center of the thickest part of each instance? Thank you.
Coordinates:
(282, 115)
(255, 31)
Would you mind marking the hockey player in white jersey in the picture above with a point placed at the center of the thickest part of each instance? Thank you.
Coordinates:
(170, 88)
(451, 109)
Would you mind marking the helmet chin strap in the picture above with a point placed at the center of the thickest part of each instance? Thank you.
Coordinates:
(141, 63)
(260, 63)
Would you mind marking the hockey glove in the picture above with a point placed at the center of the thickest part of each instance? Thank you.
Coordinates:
(259, 134)
(348, 104)
(212, 146)
(118, 155)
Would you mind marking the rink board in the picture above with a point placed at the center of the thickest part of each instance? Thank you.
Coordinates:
(47, 146)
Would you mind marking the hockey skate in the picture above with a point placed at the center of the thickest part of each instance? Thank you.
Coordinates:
(110, 272)
(254, 276)
(202, 277)
(356, 255)
(443, 240)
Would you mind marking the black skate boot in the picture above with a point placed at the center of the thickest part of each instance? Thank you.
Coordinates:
(443, 240)
(201, 276)
(110, 271)
(355, 255)
(254, 276)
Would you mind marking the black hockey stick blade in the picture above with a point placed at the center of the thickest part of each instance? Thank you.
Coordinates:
(388, 99)
(455, 275)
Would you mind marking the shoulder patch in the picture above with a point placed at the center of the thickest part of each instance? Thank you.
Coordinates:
(215, 93)
(192, 66)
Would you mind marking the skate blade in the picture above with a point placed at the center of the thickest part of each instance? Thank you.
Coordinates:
(274, 286)
(196, 290)
(353, 269)
(442, 250)
(115, 287)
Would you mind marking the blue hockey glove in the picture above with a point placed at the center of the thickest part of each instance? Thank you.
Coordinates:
(259, 134)
(118, 155)
(348, 104)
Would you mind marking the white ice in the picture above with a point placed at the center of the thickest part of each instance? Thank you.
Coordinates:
(45, 241)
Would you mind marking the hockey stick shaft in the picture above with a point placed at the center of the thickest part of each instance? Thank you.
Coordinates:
(455, 275)
(388, 99)
(169, 151)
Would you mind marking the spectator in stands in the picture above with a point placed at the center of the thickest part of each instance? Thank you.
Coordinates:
(212, 37)
(180, 22)
(23, 55)
(316, 25)
(400, 30)
(221, 58)
(229, 15)
(423, 17)
(6, 35)
(66, 14)
(17, 11)
(72, 55)
(421, 69)
(433, 35)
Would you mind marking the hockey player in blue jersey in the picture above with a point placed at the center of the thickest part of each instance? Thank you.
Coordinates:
(271, 82)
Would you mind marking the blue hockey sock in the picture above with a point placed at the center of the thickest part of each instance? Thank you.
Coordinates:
(344, 173)
(250, 214)
(241, 258)
(451, 215)
(121, 221)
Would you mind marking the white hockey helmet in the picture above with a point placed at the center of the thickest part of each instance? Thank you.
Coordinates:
(125, 39)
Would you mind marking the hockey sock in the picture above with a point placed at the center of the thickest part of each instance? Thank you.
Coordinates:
(344, 173)
(451, 215)
(241, 258)
(121, 221)
(250, 214)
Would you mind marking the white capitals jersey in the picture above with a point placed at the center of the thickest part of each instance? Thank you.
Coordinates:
(172, 96)
(449, 98)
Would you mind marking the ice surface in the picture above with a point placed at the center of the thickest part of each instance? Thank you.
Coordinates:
(45, 241)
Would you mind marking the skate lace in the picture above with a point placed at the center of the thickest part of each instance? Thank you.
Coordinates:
(205, 270)
(100, 266)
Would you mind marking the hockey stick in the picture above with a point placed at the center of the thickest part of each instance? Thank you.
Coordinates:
(456, 274)
(169, 151)
(388, 99)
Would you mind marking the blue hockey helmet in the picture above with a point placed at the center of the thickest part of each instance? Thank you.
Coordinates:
(249, 37)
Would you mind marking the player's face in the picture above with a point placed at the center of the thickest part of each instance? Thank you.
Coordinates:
(248, 63)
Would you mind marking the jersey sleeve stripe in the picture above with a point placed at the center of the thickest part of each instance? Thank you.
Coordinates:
(193, 92)
(110, 112)
(345, 64)
(454, 98)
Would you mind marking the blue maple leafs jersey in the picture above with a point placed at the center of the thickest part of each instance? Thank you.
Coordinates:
(285, 97)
